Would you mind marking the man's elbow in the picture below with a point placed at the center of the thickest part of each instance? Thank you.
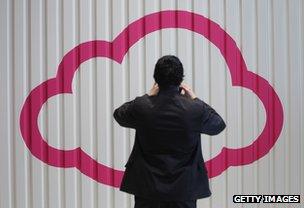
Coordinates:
(119, 119)
(220, 127)
(116, 116)
(217, 128)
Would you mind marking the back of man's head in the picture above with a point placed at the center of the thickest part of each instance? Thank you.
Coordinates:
(168, 71)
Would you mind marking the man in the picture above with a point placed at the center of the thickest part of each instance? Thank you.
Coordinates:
(166, 166)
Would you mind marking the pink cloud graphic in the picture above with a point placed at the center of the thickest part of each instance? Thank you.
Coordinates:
(116, 50)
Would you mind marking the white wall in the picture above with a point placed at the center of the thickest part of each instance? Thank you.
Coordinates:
(34, 37)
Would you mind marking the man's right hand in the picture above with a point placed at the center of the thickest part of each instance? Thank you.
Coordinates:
(186, 89)
(154, 90)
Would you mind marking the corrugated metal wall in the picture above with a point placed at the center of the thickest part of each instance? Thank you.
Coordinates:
(35, 36)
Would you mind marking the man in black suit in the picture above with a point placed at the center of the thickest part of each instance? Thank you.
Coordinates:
(166, 166)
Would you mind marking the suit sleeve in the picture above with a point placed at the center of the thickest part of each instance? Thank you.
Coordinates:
(125, 115)
(212, 123)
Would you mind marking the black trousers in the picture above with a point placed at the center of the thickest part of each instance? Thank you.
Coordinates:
(150, 203)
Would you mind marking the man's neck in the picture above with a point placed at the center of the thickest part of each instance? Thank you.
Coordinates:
(169, 89)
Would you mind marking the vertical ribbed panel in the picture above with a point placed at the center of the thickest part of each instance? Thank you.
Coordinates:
(34, 37)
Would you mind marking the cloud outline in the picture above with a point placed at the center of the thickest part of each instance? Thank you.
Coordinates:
(116, 50)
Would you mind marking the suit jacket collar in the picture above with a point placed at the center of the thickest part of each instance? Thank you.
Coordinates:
(171, 89)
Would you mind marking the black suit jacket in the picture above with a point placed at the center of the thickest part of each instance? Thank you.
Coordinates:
(166, 162)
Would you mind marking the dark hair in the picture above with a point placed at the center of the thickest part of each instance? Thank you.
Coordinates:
(168, 71)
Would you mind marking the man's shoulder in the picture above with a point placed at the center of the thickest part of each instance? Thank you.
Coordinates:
(186, 101)
(194, 103)
(141, 98)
